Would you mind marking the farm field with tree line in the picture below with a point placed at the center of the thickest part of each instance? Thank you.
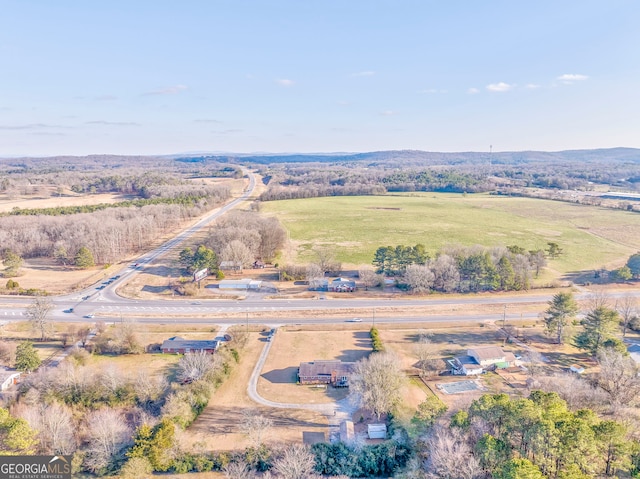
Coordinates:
(355, 227)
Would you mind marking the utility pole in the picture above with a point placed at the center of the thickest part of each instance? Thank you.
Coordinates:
(247, 318)
(504, 317)
(374, 317)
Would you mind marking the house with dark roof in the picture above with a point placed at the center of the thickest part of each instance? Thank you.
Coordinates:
(334, 372)
(177, 345)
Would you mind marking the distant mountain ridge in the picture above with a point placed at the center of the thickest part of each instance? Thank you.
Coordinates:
(509, 157)
(619, 154)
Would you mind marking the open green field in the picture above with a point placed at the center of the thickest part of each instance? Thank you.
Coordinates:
(591, 237)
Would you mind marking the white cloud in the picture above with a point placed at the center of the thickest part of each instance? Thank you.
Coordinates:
(388, 113)
(367, 73)
(31, 126)
(172, 90)
(473, 91)
(285, 82)
(499, 87)
(112, 123)
(532, 86)
(571, 77)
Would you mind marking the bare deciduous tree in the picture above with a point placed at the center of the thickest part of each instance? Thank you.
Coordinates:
(107, 434)
(38, 315)
(194, 366)
(450, 456)
(125, 338)
(238, 470)
(598, 299)
(272, 237)
(627, 307)
(294, 462)
(425, 352)
(238, 253)
(314, 274)
(7, 353)
(379, 380)
(369, 278)
(326, 259)
(148, 388)
(446, 273)
(619, 377)
(54, 423)
(255, 425)
(419, 278)
(110, 379)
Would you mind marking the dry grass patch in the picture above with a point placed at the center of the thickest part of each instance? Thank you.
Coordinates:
(133, 364)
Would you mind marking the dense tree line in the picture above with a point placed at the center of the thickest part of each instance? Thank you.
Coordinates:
(536, 437)
(138, 176)
(306, 176)
(458, 268)
(293, 182)
(242, 237)
(109, 234)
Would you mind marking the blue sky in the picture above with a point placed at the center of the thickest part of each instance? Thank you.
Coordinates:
(160, 77)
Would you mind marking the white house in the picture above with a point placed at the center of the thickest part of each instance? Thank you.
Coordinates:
(8, 378)
(478, 360)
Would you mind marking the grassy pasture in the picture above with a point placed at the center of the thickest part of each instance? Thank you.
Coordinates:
(592, 237)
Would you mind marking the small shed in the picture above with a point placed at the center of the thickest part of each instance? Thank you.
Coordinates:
(576, 369)
(377, 431)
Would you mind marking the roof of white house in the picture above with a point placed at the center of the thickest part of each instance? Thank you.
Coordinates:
(487, 353)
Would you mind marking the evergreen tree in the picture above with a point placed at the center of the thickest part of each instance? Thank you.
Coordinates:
(12, 262)
(562, 308)
(16, 436)
(505, 273)
(27, 357)
(633, 263)
(84, 258)
(599, 327)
